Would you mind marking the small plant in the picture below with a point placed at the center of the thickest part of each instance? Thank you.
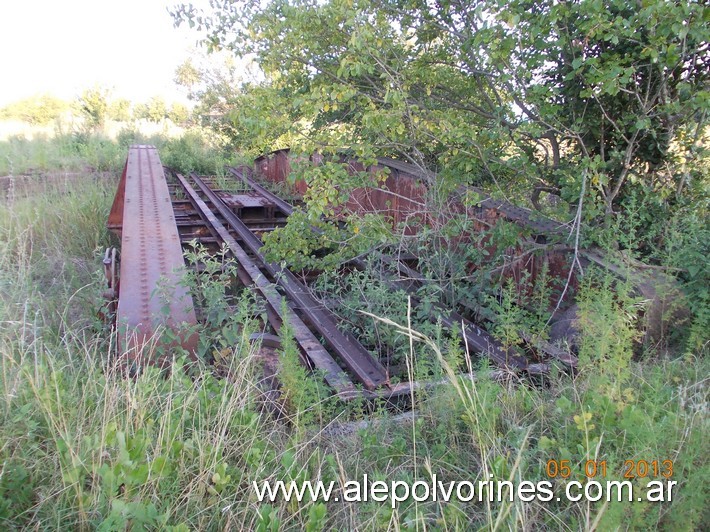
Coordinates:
(607, 319)
(227, 312)
(16, 490)
(267, 519)
(307, 399)
(509, 316)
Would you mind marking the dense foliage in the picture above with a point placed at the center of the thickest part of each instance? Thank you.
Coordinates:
(95, 107)
(37, 110)
(554, 96)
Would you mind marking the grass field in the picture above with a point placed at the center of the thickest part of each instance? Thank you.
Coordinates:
(81, 447)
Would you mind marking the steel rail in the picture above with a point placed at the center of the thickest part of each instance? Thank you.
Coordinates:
(250, 275)
(285, 207)
(359, 361)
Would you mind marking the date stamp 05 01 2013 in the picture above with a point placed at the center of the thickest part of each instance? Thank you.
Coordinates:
(598, 469)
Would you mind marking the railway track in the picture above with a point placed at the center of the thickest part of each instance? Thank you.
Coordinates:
(157, 210)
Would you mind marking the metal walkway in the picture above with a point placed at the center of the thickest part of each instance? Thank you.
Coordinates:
(152, 299)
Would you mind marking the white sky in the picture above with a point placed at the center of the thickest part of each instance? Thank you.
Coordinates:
(62, 47)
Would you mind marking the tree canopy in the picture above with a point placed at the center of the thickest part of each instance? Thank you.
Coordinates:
(37, 110)
(550, 96)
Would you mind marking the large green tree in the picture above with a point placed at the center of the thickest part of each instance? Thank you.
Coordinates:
(555, 96)
(214, 84)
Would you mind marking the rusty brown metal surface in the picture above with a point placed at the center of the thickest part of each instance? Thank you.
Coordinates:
(151, 297)
(276, 167)
(115, 217)
(539, 225)
(362, 364)
(403, 194)
(402, 199)
(244, 175)
(524, 268)
(248, 205)
(476, 338)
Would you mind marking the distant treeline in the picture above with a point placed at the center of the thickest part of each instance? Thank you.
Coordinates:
(96, 106)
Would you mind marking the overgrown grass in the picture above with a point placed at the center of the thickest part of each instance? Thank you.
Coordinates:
(70, 152)
(80, 151)
(49, 246)
(81, 447)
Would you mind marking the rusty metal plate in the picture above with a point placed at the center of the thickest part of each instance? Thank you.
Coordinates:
(244, 200)
(115, 217)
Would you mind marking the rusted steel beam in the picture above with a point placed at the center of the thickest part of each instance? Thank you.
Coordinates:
(250, 275)
(477, 339)
(359, 361)
(115, 217)
(152, 297)
(405, 192)
(537, 223)
(401, 199)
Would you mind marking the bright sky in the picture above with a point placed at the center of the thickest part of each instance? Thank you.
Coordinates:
(64, 46)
